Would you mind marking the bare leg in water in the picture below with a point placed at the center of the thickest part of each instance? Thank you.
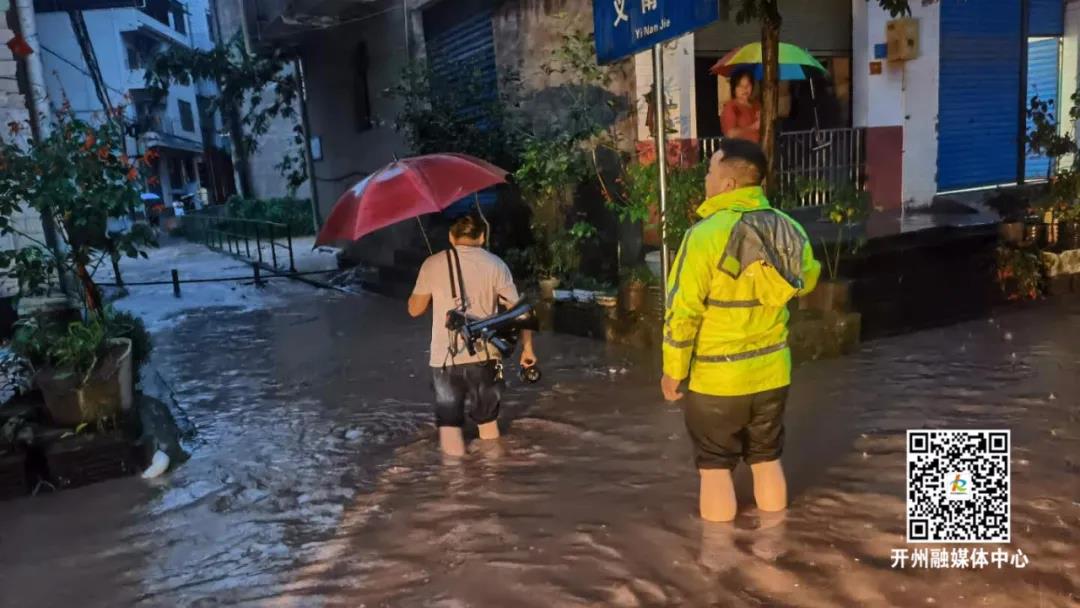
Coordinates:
(452, 441)
(717, 498)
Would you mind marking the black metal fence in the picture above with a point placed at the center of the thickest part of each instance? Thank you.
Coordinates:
(814, 164)
(265, 243)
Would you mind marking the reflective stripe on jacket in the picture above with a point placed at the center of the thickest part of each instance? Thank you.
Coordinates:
(727, 295)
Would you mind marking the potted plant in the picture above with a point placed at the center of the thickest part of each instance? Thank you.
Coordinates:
(848, 207)
(1019, 273)
(84, 375)
(1067, 215)
(635, 288)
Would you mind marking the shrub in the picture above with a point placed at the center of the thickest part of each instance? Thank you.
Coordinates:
(295, 213)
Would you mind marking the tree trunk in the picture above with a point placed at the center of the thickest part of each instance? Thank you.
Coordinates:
(90, 290)
(770, 90)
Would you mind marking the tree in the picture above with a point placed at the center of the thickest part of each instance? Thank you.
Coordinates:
(244, 80)
(768, 13)
(79, 177)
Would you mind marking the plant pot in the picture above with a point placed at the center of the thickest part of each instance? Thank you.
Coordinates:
(607, 301)
(1033, 231)
(547, 289)
(1011, 232)
(1069, 237)
(584, 295)
(107, 390)
(88, 458)
(829, 296)
(634, 297)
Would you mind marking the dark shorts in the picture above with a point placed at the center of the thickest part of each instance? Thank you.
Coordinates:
(472, 387)
(727, 429)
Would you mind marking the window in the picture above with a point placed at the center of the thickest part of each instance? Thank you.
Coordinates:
(361, 98)
(138, 50)
(210, 27)
(178, 16)
(187, 119)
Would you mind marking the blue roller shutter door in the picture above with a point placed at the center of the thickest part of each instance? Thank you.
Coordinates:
(1042, 82)
(458, 55)
(978, 113)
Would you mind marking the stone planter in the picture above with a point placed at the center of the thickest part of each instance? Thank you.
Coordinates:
(828, 296)
(547, 289)
(105, 392)
(88, 458)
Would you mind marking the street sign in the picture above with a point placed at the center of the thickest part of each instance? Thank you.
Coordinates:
(626, 27)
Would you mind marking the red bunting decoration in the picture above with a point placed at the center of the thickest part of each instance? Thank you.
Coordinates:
(19, 47)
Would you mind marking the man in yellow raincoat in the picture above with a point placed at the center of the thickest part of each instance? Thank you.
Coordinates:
(726, 329)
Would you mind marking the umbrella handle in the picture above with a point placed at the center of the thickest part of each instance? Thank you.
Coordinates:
(424, 233)
(487, 224)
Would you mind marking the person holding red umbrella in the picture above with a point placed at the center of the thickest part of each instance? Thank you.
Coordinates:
(469, 278)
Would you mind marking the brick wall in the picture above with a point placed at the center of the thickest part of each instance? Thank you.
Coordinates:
(13, 109)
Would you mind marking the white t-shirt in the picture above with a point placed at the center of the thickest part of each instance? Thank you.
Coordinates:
(487, 281)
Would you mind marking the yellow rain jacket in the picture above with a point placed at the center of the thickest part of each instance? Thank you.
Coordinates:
(727, 296)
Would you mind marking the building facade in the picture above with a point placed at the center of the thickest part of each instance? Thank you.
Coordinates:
(121, 42)
(14, 109)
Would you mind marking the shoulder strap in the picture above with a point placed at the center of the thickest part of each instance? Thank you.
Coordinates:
(452, 261)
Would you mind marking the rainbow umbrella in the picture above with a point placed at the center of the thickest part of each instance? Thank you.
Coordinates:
(793, 62)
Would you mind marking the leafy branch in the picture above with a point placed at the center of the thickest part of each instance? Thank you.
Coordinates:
(264, 86)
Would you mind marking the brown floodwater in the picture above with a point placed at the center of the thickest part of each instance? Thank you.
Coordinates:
(315, 481)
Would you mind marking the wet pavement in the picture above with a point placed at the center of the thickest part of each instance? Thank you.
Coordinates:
(314, 479)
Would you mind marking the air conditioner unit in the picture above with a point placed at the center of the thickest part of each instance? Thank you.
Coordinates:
(902, 39)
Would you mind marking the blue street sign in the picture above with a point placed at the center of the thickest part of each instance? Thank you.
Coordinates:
(626, 27)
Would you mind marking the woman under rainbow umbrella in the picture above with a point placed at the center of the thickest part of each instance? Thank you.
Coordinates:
(794, 63)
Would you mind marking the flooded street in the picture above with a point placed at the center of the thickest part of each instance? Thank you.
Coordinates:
(315, 480)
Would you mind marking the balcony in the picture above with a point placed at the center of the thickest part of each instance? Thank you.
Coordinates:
(813, 163)
(158, 131)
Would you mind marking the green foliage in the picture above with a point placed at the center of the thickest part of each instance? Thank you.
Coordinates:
(78, 176)
(79, 345)
(639, 275)
(79, 348)
(443, 119)
(1063, 196)
(1019, 273)
(636, 197)
(264, 87)
(848, 206)
(122, 324)
(295, 213)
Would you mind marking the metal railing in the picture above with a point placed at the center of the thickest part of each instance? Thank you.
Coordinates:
(813, 164)
(257, 241)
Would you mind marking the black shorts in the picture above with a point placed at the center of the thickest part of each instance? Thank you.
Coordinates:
(726, 429)
(472, 386)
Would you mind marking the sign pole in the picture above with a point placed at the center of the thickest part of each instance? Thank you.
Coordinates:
(661, 156)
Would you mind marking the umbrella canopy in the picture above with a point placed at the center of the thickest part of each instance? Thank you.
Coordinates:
(793, 61)
(406, 189)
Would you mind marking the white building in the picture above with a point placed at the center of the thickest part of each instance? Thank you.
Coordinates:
(124, 40)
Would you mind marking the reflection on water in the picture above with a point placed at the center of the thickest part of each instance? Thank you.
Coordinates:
(314, 479)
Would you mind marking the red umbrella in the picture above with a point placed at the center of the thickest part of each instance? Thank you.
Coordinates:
(406, 189)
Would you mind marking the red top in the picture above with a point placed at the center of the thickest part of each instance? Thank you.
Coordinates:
(737, 116)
